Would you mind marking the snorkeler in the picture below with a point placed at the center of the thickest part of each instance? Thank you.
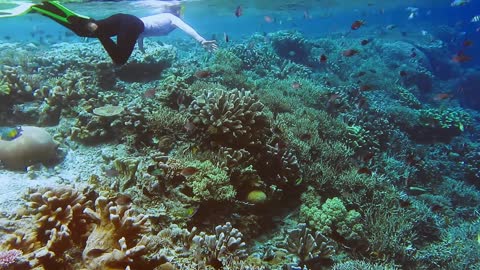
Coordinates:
(127, 28)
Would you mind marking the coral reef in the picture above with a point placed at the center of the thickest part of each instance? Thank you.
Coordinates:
(113, 242)
(218, 249)
(309, 246)
(33, 145)
(341, 152)
(233, 118)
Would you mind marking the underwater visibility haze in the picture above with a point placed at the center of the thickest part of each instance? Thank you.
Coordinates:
(240, 135)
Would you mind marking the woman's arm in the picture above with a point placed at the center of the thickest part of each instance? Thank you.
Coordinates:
(207, 44)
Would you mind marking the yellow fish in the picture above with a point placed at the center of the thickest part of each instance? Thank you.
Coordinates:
(9, 134)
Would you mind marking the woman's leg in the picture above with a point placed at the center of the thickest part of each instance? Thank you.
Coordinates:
(127, 28)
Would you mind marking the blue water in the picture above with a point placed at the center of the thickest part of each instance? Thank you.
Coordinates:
(430, 172)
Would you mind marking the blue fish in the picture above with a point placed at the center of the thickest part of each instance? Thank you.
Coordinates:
(10, 134)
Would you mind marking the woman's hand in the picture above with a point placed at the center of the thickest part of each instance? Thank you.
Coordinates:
(209, 45)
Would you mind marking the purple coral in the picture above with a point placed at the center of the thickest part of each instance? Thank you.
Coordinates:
(7, 258)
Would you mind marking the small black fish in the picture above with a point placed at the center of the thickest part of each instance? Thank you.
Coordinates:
(225, 37)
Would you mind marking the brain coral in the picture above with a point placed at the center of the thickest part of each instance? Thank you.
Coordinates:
(33, 145)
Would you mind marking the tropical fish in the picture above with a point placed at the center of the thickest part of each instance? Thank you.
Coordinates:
(364, 42)
(357, 24)
(10, 134)
(467, 43)
(441, 96)
(364, 170)
(461, 58)
(149, 93)
(349, 52)
(188, 171)
(413, 12)
(123, 199)
(403, 73)
(323, 58)
(238, 11)
(366, 87)
(296, 85)
(268, 19)
(391, 26)
(225, 37)
(202, 74)
(458, 3)
(476, 18)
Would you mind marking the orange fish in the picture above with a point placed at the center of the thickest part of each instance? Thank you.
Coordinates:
(149, 93)
(123, 199)
(361, 73)
(323, 58)
(461, 58)
(366, 87)
(357, 24)
(441, 96)
(368, 156)
(467, 43)
(238, 11)
(296, 85)
(350, 52)
(364, 42)
(188, 171)
(202, 74)
(364, 170)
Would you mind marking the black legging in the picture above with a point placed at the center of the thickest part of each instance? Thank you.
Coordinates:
(127, 28)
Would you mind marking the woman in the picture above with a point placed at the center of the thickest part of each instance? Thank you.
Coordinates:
(127, 28)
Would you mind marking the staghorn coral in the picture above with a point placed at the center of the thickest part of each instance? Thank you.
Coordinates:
(235, 119)
(308, 245)
(113, 243)
(217, 250)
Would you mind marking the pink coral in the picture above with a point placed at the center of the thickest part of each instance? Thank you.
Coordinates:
(8, 258)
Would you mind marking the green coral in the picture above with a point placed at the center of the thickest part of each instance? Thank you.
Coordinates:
(445, 118)
(210, 182)
(331, 216)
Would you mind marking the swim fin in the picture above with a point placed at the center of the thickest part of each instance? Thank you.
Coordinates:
(64, 16)
(20, 8)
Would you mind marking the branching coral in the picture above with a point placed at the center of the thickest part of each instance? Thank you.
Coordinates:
(235, 119)
(218, 249)
(59, 224)
(308, 245)
(280, 166)
(114, 242)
